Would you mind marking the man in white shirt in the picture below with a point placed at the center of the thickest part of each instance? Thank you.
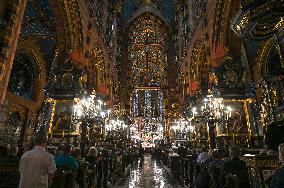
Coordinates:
(37, 166)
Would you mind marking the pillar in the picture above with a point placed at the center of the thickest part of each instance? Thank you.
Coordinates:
(11, 14)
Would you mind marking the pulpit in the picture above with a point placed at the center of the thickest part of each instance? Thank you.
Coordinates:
(261, 167)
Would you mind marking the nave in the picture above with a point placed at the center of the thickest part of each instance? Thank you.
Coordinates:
(86, 86)
(148, 173)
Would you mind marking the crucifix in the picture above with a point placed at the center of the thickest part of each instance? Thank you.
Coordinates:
(147, 46)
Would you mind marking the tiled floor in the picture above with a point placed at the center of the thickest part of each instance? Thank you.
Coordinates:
(148, 174)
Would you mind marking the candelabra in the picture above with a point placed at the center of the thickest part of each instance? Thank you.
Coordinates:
(88, 109)
(180, 127)
(212, 108)
(115, 124)
(211, 111)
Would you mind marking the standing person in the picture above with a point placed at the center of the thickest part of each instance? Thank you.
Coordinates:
(37, 166)
(141, 153)
(80, 176)
(277, 180)
(67, 167)
(181, 151)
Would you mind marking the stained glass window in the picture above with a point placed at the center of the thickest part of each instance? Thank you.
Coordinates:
(147, 51)
(148, 57)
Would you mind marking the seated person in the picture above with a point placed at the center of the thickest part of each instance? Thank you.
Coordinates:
(67, 167)
(215, 168)
(277, 180)
(66, 160)
(13, 153)
(234, 166)
(203, 157)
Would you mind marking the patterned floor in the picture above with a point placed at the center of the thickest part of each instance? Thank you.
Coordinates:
(148, 174)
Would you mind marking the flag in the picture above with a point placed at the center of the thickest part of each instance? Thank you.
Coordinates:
(103, 89)
(77, 55)
(193, 85)
(218, 55)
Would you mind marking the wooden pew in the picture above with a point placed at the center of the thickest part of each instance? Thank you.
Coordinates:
(9, 175)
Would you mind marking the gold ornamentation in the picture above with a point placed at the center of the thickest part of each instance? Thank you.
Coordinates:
(74, 20)
(17, 108)
(99, 61)
(263, 163)
(53, 102)
(2, 71)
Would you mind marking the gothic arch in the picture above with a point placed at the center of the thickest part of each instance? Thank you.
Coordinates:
(269, 77)
(33, 51)
(68, 24)
(63, 39)
(147, 9)
(264, 55)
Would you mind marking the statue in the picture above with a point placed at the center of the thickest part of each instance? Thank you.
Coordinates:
(201, 130)
(239, 126)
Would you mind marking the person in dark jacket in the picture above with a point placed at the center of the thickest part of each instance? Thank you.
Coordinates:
(91, 158)
(181, 151)
(215, 168)
(277, 180)
(235, 166)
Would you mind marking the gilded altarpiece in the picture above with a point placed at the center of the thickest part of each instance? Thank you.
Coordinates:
(237, 128)
(270, 87)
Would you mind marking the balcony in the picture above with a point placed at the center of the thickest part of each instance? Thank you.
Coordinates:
(258, 19)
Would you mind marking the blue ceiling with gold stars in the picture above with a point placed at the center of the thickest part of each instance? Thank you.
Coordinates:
(39, 23)
(38, 19)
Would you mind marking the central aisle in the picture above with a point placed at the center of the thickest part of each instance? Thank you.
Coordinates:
(148, 174)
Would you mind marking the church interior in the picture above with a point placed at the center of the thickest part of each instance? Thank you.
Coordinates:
(152, 86)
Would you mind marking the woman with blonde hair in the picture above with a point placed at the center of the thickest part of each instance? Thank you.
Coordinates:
(93, 152)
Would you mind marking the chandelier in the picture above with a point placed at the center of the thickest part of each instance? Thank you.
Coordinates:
(115, 125)
(180, 125)
(89, 107)
(212, 107)
(87, 110)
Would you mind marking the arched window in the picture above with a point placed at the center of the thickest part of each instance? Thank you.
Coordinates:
(148, 62)
(147, 51)
(274, 65)
(23, 78)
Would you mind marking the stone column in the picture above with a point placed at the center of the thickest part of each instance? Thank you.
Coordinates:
(11, 15)
(281, 41)
(4, 109)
